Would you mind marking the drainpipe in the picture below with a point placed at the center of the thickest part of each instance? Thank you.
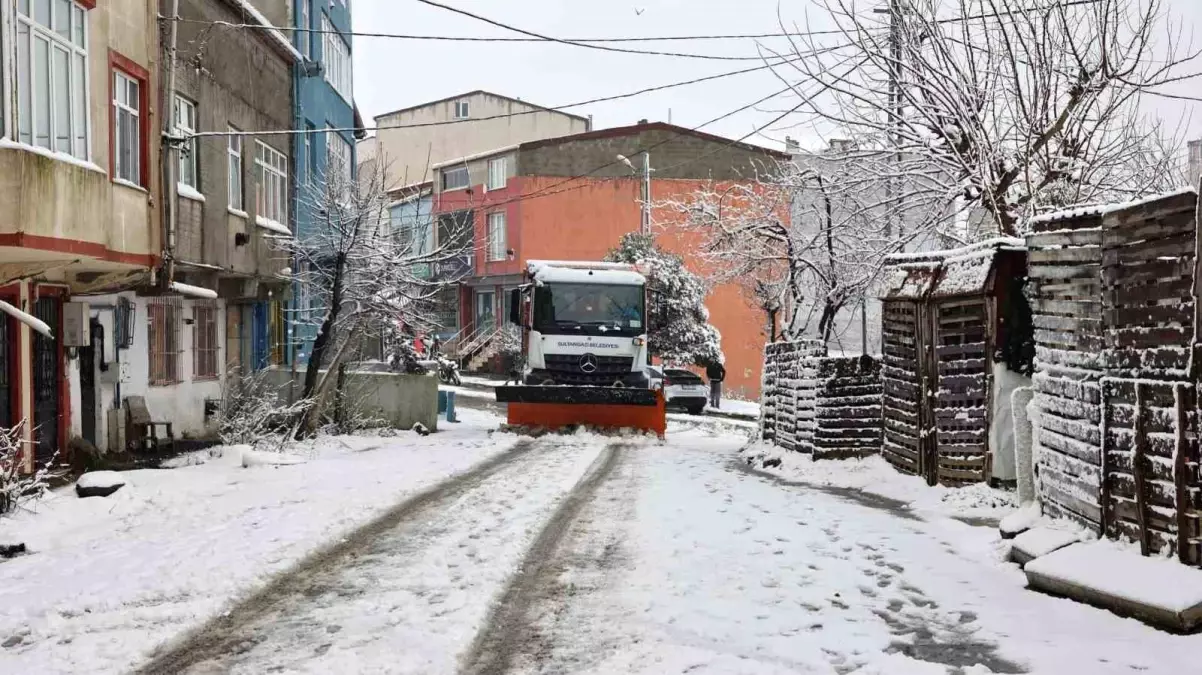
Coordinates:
(298, 142)
(170, 152)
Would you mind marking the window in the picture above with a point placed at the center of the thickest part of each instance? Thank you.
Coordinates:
(302, 22)
(336, 57)
(461, 110)
(52, 75)
(338, 163)
(205, 347)
(496, 173)
(234, 170)
(271, 184)
(455, 179)
(127, 127)
(164, 341)
(185, 122)
(496, 236)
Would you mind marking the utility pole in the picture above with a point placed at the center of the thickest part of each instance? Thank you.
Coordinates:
(894, 114)
(646, 225)
(170, 147)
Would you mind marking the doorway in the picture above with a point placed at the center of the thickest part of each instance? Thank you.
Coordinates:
(486, 313)
(47, 380)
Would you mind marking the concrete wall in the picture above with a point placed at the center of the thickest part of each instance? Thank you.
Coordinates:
(399, 399)
(129, 373)
(409, 153)
(674, 154)
(213, 72)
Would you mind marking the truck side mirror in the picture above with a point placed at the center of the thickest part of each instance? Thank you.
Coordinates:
(515, 306)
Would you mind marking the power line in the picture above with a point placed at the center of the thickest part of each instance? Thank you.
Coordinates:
(537, 109)
(586, 45)
(528, 40)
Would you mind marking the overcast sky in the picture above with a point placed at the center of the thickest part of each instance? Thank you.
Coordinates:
(392, 74)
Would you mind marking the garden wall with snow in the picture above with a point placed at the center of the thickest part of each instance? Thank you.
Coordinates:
(824, 405)
(1116, 375)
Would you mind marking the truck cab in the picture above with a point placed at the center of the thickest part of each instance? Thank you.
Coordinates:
(584, 324)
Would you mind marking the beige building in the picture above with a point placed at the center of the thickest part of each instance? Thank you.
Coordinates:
(412, 140)
(79, 182)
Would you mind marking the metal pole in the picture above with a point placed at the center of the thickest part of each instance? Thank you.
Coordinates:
(894, 110)
(171, 152)
(646, 224)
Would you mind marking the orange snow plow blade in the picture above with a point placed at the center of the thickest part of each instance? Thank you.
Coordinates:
(557, 407)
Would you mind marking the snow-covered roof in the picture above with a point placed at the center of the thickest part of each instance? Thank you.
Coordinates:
(957, 271)
(272, 32)
(1103, 209)
(617, 274)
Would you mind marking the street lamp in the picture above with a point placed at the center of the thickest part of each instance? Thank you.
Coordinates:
(645, 225)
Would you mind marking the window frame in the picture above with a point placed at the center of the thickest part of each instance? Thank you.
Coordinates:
(336, 59)
(121, 66)
(339, 151)
(206, 342)
(503, 164)
(163, 341)
(237, 158)
(271, 184)
(304, 26)
(497, 246)
(463, 110)
(191, 160)
(444, 173)
(76, 46)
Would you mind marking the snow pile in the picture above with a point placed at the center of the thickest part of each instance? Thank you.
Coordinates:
(875, 475)
(100, 480)
(1040, 541)
(253, 458)
(1159, 588)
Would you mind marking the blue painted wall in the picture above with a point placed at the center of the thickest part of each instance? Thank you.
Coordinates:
(318, 106)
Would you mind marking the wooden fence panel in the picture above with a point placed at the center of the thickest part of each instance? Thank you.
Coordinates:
(901, 384)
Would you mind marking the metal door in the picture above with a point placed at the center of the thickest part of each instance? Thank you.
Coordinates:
(47, 380)
(87, 382)
(259, 335)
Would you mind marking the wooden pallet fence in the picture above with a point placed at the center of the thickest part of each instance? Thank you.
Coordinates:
(789, 395)
(1064, 290)
(848, 408)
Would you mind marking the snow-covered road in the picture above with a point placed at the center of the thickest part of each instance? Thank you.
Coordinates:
(565, 554)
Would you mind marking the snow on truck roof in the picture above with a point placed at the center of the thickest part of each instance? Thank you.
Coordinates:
(571, 272)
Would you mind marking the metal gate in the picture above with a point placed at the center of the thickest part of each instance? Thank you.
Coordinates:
(47, 380)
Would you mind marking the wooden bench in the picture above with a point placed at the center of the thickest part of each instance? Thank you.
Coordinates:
(142, 430)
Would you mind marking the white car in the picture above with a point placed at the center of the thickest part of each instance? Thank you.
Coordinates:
(682, 388)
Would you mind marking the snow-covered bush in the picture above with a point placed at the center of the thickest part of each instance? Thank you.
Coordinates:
(17, 487)
(680, 329)
(253, 413)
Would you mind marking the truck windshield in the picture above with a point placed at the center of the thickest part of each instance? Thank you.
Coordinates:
(589, 309)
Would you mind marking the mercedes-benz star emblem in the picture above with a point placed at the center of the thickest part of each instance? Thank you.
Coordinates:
(588, 363)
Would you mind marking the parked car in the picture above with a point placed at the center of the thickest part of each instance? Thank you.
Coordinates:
(682, 388)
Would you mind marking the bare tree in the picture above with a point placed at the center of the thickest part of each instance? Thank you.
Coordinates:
(368, 281)
(998, 108)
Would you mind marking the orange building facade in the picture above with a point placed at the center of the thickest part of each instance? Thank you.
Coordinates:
(548, 200)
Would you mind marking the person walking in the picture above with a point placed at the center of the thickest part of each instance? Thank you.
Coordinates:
(716, 373)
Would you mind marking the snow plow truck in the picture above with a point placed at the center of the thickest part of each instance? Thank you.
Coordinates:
(584, 336)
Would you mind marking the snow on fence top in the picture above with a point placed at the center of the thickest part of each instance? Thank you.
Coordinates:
(1084, 210)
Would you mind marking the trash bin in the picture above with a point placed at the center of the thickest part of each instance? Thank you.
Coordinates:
(446, 404)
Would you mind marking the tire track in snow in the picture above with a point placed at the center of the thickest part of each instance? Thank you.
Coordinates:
(416, 577)
(510, 631)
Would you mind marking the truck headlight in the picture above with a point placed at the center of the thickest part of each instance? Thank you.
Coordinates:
(639, 342)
